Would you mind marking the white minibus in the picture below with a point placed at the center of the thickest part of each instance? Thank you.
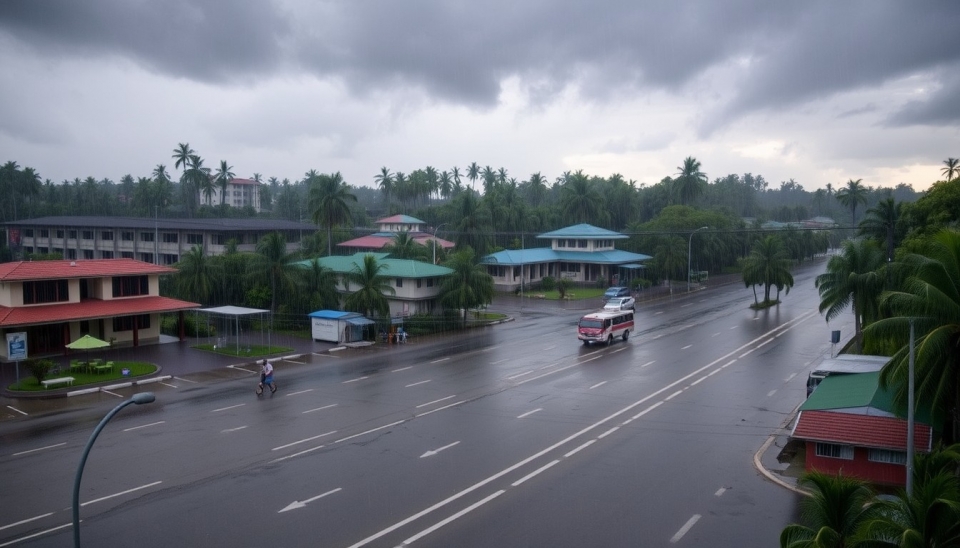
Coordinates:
(605, 326)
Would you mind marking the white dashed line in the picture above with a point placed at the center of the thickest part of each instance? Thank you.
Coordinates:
(686, 347)
(402, 369)
(320, 408)
(38, 449)
(228, 430)
(772, 392)
(720, 491)
(648, 363)
(15, 409)
(534, 473)
(686, 527)
(143, 426)
(417, 383)
(231, 407)
(528, 413)
(300, 392)
(435, 401)
(354, 380)
(440, 360)
(599, 384)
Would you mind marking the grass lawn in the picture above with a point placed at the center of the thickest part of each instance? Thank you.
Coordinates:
(137, 369)
(246, 351)
(575, 294)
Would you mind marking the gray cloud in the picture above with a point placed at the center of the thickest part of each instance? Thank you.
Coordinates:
(942, 108)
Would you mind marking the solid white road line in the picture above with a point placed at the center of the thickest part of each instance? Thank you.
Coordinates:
(37, 449)
(228, 430)
(303, 441)
(231, 407)
(121, 493)
(683, 530)
(417, 383)
(435, 401)
(354, 380)
(534, 473)
(111, 393)
(15, 409)
(28, 520)
(463, 512)
(320, 408)
(528, 413)
(440, 360)
(37, 534)
(599, 384)
(402, 369)
(143, 426)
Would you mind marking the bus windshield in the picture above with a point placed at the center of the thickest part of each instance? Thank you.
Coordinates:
(591, 323)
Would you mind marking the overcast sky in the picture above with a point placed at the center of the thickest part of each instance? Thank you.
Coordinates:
(817, 91)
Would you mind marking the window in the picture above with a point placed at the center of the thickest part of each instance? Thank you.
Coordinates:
(106, 235)
(126, 254)
(885, 455)
(43, 250)
(60, 234)
(170, 238)
(146, 236)
(419, 283)
(72, 234)
(130, 286)
(195, 239)
(126, 323)
(399, 282)
(582, 243)
(46, 291)
(71, 254)
(169, 258)
(44, 233)
(835, 451)
(87, 253)
(126, 236)
(87, 234)
(106, 254)
(516, 272)
(85, 327)
(28, 233)
(429, 282)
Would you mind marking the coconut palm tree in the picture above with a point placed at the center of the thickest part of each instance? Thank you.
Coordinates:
(833, 515)
(768, 264)
(853, 278)
(320, 285)
(880, 224)
(851, 196)
(536, 188)
(469, 286)
(930, 517)
(384, 181)
(474, 225)
(445, 185)
(188, 192)
(951, 168)
(224, 175)
(580, 201)
(274, 263)
(329, 197)
(199, 176)
(403, 246)
(369, 298)
(930, 297)
(195, 276)
(473, 173)
(690, 183)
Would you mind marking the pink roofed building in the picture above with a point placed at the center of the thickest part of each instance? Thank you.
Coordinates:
(388, 227)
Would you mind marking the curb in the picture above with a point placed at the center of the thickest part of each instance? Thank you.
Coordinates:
(763, 449)
(114, 386)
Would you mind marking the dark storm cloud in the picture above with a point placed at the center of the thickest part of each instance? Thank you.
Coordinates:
(209, 40)
(942, 109)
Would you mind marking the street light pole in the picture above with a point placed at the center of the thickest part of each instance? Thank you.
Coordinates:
(141, 398)
(435, 242)
(689, 247)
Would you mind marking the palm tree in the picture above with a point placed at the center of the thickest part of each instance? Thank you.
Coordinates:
(369, 299)
(580, 201)
(474, 226)
(689, 184)
(455, 173)
(473, 172)
(384, 180)
(537, 188)
(194, 281)
(852, 195)
(273, 262)
(224, 175)
(768, 264)
(188, 192)
(328, 204)
(951, 168)
(320, 285)
(929, 517)
(853, 279)
(833, 515)
(880, 224)
(489, 179)
(930, 298)
(200, 177)
(182, 155)
(670, 256)
(445, 185)
(469, 286)
(404, 246)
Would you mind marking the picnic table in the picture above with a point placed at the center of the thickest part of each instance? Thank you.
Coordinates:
(103, 368)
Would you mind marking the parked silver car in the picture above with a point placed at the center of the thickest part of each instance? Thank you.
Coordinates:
(621, 303)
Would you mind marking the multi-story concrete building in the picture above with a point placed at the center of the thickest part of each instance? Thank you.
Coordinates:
(157, 241)
(240, 193)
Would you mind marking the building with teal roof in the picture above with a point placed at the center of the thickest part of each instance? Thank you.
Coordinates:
(581, 253)
(416, 284)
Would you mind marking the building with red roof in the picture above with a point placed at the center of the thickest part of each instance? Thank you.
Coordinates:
(389, 227)
(57, 302)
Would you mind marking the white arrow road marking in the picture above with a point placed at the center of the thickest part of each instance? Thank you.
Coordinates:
(435, 451)
(297, 504)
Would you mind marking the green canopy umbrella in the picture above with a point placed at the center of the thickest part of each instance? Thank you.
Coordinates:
(87, 342)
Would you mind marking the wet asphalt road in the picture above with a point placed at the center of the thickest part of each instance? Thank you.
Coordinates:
(513, 435)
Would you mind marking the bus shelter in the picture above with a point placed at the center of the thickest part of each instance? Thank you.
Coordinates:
(229, 329)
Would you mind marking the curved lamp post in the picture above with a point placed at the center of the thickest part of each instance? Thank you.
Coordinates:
(141, 398)
(435, 242)
(689, 246)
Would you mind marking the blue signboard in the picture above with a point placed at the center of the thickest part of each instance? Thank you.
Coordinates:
(16, 346)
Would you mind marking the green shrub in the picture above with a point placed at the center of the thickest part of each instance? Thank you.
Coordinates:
(548, 283)
(39, 368)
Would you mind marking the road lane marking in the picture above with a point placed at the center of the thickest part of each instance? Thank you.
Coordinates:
(440, 409)
(440, 360)
(746, 353)
(300, 392)
(355, 380)
(647, 410)
(788, 379)
(765, 342)
(143, 426)
(243, 369)
(417, 383)
(499, 361)
(577, 450)
(37, 534)
(686, 347)
(686, 305)
(734, 327)
(303, 441)
(304, 452)
(320, 408)
(170, 385)
(231, 407)
(599, 384)
(463, 512)
(371, 430)
(551, 347)
(28, 520)
(15, 409)
(534, 473)
(772, 392)
(37, 449)
(435, 401)
(674, 395)
(686, 527)
(655, 313)
(325, 355)
(121, 493)
(186, 380)
(433, 452)
(300, 504)
(651, 362)
(402, 369)
(720, 491)
(519, 375)
(715, 334)
(528, 413)
(608, 432)
(111, 393)
(228, 430)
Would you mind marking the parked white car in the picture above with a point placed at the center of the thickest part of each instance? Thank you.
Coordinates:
(621, 303)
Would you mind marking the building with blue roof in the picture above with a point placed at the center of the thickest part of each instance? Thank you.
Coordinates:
(580, 253)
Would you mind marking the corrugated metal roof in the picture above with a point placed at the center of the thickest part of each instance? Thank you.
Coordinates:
(89, 310)
(859, 390)
(80, 268)
(395, 268)
(581, 231)
(860, 430)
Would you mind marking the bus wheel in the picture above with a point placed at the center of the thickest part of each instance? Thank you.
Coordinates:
(609, 340)
(626, 333)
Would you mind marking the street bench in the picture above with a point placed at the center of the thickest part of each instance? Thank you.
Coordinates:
(59, 380)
